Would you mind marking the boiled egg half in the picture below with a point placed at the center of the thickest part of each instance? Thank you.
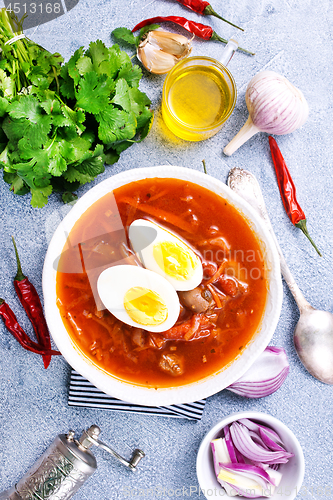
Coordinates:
(166, 254)
(139, 297)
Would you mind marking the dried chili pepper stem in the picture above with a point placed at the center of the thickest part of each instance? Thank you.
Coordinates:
(288, 191)
(218, 38)
(19, 334)
(204, 8)
(19, 274)
(200, 30)
(302, 226)
(30, 300)
(209, 11)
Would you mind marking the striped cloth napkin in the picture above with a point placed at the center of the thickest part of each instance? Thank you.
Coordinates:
(84, 393)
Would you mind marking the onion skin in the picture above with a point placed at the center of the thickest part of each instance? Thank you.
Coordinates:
(275, 106)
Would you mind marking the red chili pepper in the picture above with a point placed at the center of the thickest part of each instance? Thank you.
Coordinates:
(288, 191)
(19, 334)
(30, 300)
(200, 30)
(204, 8)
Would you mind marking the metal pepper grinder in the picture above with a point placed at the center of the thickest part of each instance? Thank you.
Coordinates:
(64, 467)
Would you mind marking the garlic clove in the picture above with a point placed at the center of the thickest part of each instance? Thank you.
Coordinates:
(156, 60)
(159, 51)
(172, 43)
(275, 106)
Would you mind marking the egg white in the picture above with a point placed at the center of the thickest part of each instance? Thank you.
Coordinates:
(144, 235)
(114, 282)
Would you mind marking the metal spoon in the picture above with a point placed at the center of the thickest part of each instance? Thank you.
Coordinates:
(313, 335)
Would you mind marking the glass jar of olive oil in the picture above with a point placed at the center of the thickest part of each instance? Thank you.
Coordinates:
(199, 95)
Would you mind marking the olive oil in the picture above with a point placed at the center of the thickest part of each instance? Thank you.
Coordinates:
(199, 97)
(197, 100)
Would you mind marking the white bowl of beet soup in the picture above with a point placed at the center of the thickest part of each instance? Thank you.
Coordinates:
(161, 286)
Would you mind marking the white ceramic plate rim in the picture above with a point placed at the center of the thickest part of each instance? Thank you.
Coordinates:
(206, 474)
(162, 396)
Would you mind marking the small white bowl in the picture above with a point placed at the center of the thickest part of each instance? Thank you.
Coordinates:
(292, 471)
(130, 392)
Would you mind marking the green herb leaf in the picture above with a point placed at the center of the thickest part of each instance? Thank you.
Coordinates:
(69, 197)
(5, 160)
(73, 71)
(111, 122)
(125, 35)
(67, 87)
(40, 196)
(51, 106)
(93, 92)
(122, 97)
(146, 29)
(84, 65)
(117, 60)
(17, 184)
(73, 175)
(35, 125)
(94, 164)
(7, 85)
(3, 106)
(98, 53)
(111, 157)
(60, 123)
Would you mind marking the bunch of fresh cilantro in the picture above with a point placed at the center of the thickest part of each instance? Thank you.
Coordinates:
(60, 123)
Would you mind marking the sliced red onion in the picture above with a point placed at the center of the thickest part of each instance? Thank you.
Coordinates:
(215, 459)
(258, 440)
(243, 442)
(247, 458)
(231, 490)
(253, 426)
(250, 484)
(250, 471)
(274, 475)
(221, 454)
(272, 445)
(265, 376)
(230, 444)
(239, 457)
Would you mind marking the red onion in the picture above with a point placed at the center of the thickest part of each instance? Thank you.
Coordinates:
(253, 426)
(265, 376)
(230, 445)
(247, 457)
(244, 443)
(249, 471)
(221, 454)
(269, 442)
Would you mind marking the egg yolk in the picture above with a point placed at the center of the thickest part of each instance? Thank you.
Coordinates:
(145, 306)
(175, 260)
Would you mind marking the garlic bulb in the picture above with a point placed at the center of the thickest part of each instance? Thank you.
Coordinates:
(275, 106)
(160, 50)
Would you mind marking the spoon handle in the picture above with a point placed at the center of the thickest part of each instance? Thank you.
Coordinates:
(246, 185)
